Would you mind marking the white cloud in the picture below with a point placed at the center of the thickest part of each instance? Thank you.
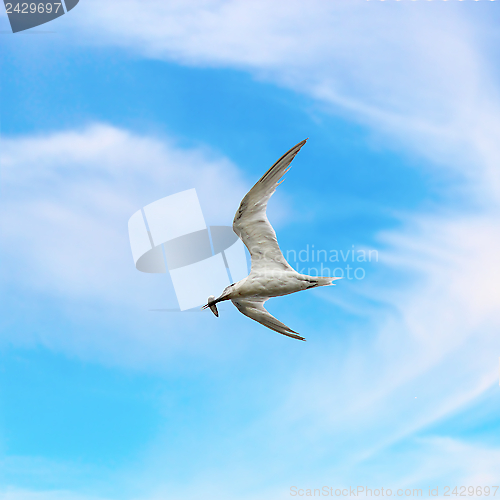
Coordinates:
(432, 354)
(463, 463)
(424, 463)
(415, 74)
(69, 196)
(67, 199)
(413, 71)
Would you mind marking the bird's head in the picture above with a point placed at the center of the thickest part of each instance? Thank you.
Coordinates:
(213, 306)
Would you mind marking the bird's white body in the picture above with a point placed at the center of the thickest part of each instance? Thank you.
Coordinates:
(273, 284)
(271, 275)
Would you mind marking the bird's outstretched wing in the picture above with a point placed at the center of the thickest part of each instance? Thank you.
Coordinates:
(250, 222)
(254, 308)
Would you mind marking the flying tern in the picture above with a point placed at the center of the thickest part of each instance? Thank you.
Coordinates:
(270, 274)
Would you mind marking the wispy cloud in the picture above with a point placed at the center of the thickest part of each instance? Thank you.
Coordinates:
(70, 194)
(460, 463)
(67, 199)
(416, 76)
(412, 72)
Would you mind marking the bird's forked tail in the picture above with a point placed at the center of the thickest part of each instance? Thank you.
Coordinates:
(323, 280)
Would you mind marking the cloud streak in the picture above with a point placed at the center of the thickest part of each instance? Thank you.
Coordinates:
(68, 197)
(413, 74)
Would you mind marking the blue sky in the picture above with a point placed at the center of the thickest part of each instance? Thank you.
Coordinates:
(121, 105)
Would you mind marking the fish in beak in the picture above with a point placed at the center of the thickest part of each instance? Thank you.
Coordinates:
(212, 305)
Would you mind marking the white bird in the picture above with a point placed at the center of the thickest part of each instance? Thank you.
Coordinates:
(270, 274)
